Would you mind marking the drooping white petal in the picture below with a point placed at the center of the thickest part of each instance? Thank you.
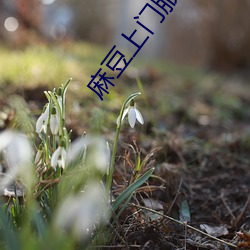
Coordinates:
(5, 139)
(77, 148)
(66, 214)
(18, 156)
(39, 123)
(132, 117)
(44, 127)
(46, 113)
(125, 112)
(59, 158)
(61, 163)
(139, 116)
(19, 151)
(59, 99)
(98, 152)
(38, 156)
(64, 154)
(117, 120)
(133, 114)
(101, 154)
(63, 159)
(54, 124)
(55, 156)
(78, 214)
(123, 115)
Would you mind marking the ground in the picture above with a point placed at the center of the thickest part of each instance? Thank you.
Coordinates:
(197, 123)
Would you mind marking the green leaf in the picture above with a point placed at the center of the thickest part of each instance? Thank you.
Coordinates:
(39, 222)
(185, 212)
(138, 163)
(129, 190)
(122, 209)
(10, 236)
(65, 87)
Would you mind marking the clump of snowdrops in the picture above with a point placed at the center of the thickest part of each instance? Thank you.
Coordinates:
(61, 190)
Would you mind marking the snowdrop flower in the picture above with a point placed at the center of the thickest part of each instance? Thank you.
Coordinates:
(54, 121)
(79, 214)
(17, 152)
(59, 157)
(39, 154)
(77, 150)
(42, 122)
(99, 155)
(59, 97)
(98, 152)
(133, 114)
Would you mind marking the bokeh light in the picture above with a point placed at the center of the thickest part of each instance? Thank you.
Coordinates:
(58, 31)
(48, 2)
(11, 24)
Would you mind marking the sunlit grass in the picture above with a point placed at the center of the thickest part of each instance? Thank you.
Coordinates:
(38, 65)
(170, 89)
(43, 64)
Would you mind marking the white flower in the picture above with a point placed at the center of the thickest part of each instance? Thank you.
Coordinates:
(59, 157)
(133, 114)
(98, 152)
(54, 121)
(79, 214)
(17, 152)
(59, 99)
(39, 155)
(42, 122)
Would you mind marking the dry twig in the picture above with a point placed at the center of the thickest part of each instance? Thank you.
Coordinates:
(184, 224)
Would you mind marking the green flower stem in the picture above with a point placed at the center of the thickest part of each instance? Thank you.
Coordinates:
(66, 136)
(54, 142)
(112, 164)
(47, 137)
(65, 87)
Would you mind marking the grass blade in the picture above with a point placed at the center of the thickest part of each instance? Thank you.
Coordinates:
(128, 191)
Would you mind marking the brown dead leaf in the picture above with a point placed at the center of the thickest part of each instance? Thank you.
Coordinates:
(245, 236)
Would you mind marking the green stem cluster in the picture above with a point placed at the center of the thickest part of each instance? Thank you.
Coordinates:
(112, 163)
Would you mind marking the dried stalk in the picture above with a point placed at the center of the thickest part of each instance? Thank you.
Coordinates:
(184, 224)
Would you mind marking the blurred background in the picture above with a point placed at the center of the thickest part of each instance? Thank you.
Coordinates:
(213, 34)
(199, 58)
